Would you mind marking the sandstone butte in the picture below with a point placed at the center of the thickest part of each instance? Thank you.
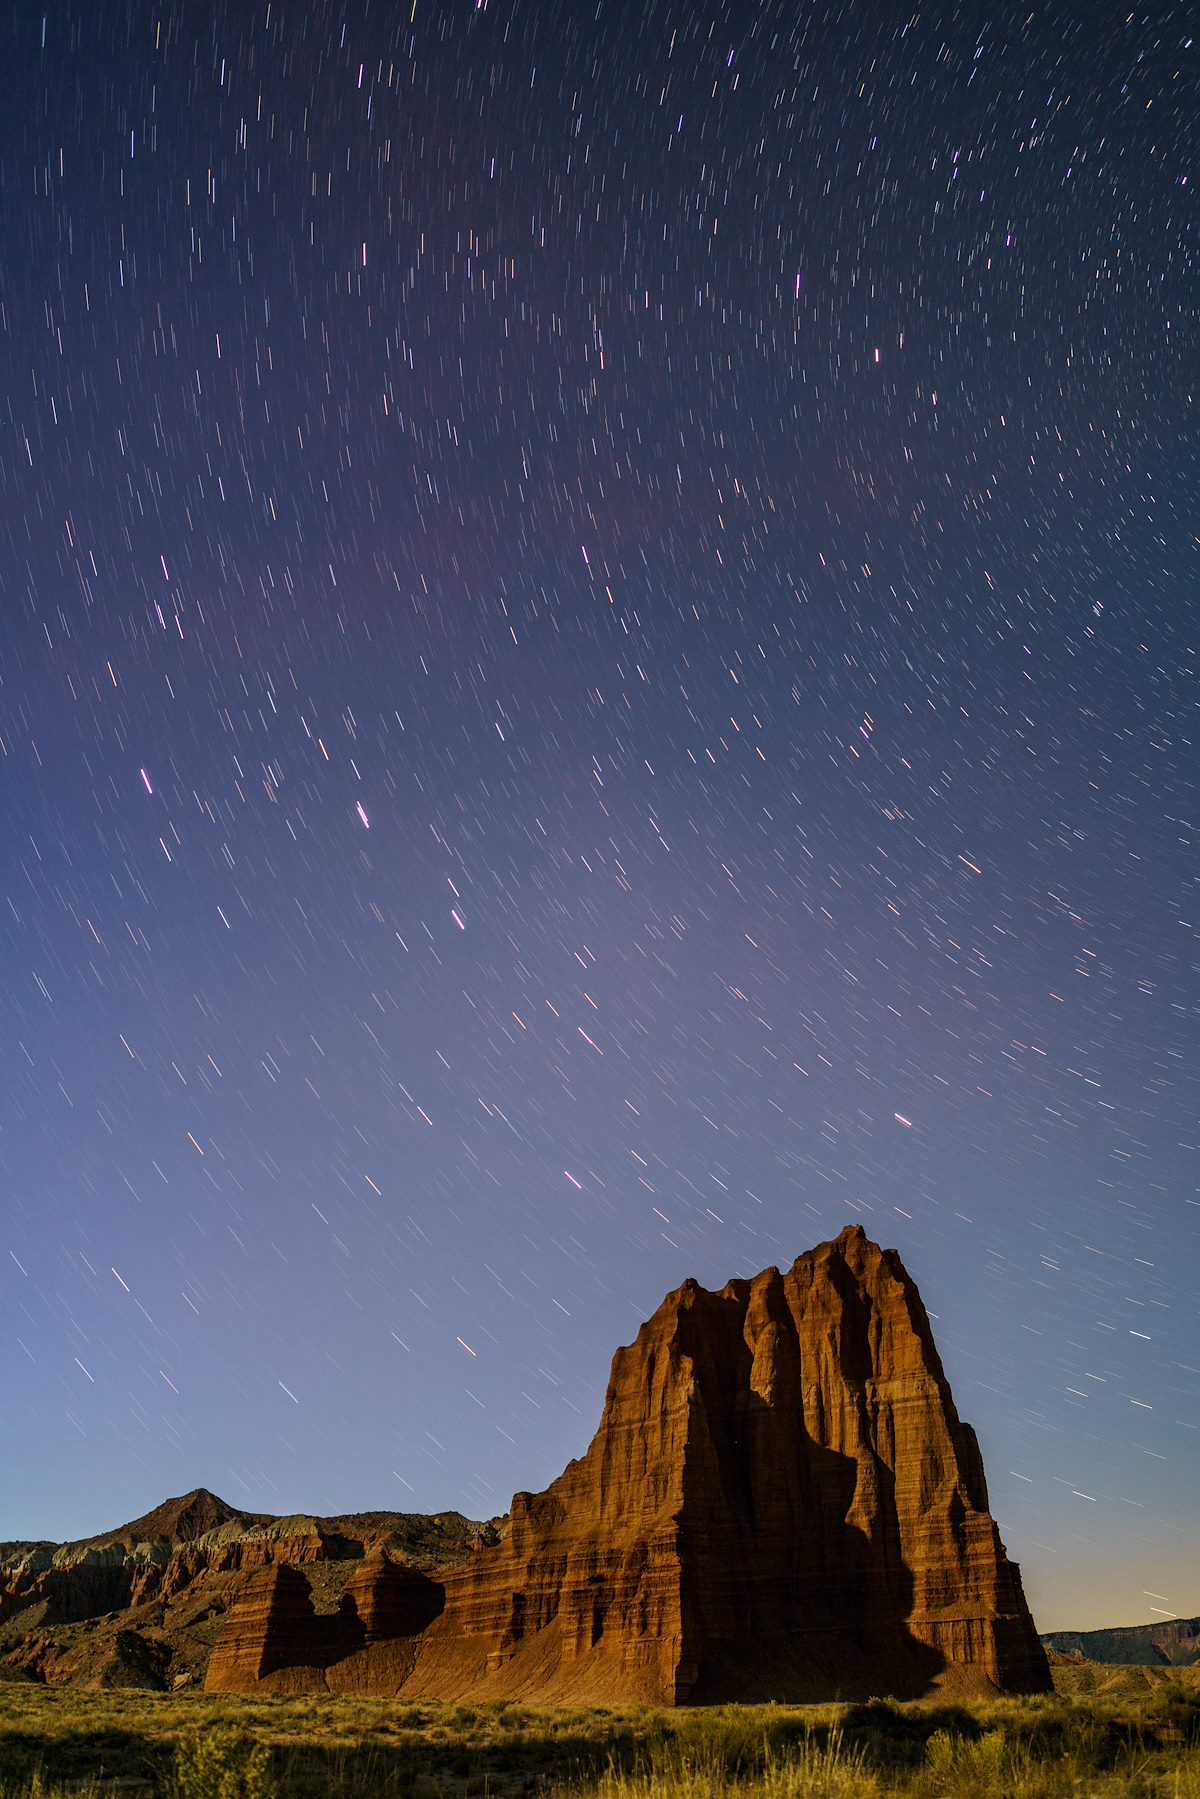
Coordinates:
(780, 1502)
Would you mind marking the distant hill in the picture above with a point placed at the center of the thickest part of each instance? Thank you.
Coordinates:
(179, 1521)
(1173, 1643)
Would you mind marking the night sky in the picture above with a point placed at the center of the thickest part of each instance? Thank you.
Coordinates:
(598, 678)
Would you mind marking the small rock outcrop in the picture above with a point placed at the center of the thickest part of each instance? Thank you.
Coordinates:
(780, 1502)
(276, 1629)
(387, 1600)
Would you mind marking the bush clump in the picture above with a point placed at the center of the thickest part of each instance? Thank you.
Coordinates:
(1175, 1709)
(219, 1764)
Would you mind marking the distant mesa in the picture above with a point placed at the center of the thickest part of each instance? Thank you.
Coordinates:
(1171, 1643)
(780, 1503)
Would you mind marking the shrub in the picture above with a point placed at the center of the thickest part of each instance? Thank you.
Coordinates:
(222, 1765)
(1176, 1708)
(960, 1766)
(725, 1742)
(829, 1770)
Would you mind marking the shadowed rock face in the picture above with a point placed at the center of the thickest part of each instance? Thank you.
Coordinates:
(275, 1614)
(780, 1503)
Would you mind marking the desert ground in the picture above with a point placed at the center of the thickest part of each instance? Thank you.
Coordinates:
(1106, 1732)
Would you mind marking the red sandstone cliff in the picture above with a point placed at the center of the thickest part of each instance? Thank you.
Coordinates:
(780, 1503)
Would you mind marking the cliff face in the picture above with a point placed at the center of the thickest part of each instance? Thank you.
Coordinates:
(780, 1503)
(835, 1534)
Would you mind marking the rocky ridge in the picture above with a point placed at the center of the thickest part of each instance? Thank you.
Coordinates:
(142, 1605)
(1170, 1643)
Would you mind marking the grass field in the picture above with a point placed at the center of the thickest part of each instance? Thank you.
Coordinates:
(60, 1740)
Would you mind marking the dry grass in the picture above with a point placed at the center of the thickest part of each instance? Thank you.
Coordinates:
(198, 1746)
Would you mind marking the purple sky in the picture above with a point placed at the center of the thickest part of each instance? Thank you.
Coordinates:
(598, 677)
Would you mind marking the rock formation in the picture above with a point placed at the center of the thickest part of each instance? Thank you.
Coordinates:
(276, 1627)
(780, 1503)
(143, 1604)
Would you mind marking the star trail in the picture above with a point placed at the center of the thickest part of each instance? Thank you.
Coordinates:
(598, 678)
